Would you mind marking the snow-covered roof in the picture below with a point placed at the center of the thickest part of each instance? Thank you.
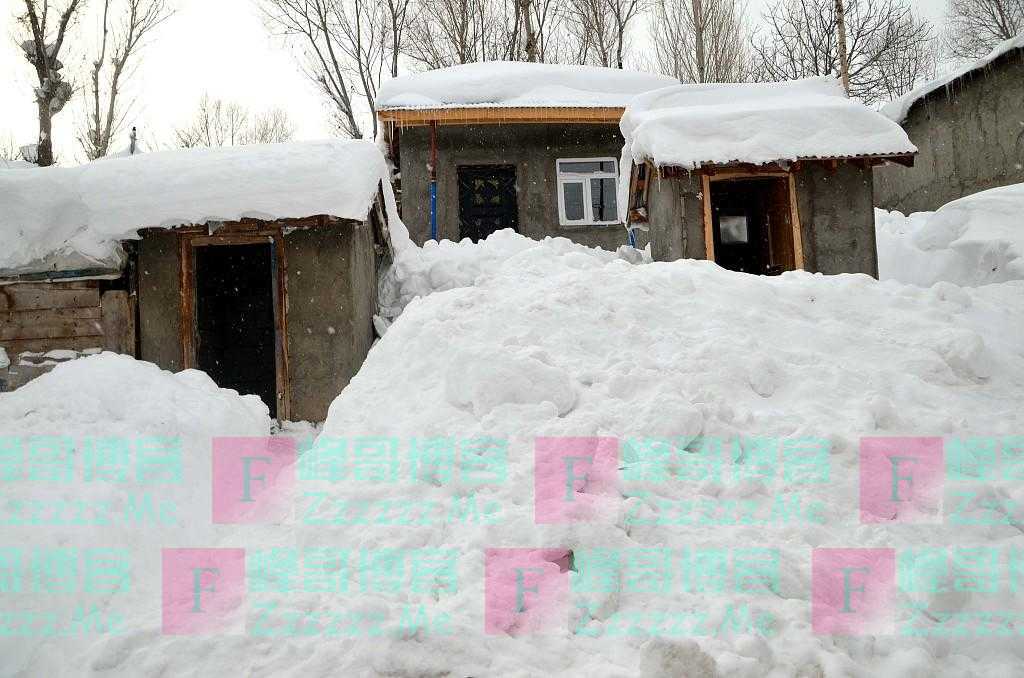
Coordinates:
(899, 108)
(692, 125)
(504, 84)
(68, 217)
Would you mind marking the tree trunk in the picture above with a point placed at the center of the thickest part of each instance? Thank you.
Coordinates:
(530, 37)
(698, 39)
(45, 150)
(844, 60)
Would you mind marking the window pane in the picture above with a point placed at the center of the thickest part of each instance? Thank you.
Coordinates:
(586, 166)
(572, 195)
(602, 199)
(733, 229)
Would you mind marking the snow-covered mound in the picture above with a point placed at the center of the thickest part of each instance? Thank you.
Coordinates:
(600, 347)
(972, 241)
(85, 211)
(693, 124)
(508, 84)
(446, 265)
(127, 425)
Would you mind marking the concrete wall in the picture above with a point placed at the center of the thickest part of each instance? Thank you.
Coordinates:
(332, 296)
(532, 148)
(837, 218)
(970, 136)
(160, 300)
(835, 208)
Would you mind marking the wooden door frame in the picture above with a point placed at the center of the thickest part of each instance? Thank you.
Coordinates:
(709, 229)
(189, 240)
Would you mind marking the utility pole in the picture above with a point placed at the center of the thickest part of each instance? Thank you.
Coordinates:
(844, 58)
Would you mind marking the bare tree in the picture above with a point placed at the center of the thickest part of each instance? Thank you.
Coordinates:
(974, 27)
(591, 30)
(9, 149)
(44, 29)
(224, 123)
(888, 45)
(702, 40)
(271, 127)
(349, 46)
(600, 29)
(106, 110)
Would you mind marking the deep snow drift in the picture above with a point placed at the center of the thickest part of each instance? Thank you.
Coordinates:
(553, 342)
(549, 338)
(976, 240)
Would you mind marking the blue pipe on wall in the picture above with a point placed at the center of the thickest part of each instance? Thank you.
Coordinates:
(433, 209)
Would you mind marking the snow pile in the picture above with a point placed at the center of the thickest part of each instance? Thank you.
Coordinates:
(503, 84)
(972, 241)
(899, 108)
(437, 267)
(606, 348)
(689, 125)
(82, 212)
(98, 404)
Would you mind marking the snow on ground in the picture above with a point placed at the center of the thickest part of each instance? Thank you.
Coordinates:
(976, 240)
(689, 125)
(97, 403)
(84, 211)
(508, 84)
(514, 339)
(899, 108)
(565, 345)
(446, 265)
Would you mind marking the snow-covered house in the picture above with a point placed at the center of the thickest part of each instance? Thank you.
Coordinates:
(533, 147)
(969, 127)
(256, 264)
(760, 178)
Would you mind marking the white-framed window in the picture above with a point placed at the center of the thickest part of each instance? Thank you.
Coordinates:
(586, 191)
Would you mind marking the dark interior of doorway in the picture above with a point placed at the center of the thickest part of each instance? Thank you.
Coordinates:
(235, 318)
(752, 225)
(487, 200)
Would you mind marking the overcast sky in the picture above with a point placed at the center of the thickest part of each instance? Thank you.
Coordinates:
(215, 46)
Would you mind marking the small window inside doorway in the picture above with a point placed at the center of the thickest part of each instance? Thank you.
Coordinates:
(587, 191)
(734, 229)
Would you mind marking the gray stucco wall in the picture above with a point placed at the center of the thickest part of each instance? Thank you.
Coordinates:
(835, 208)
(160, 300)
(837, 218)
(532, 148)
(970, 136)
(332, 296)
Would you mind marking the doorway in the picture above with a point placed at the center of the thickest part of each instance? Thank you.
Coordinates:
(235, 328)
(752, 225)
(487, 200)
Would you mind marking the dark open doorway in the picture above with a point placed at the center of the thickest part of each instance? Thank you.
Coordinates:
(752, 225)
(234, 316)
(487, 200)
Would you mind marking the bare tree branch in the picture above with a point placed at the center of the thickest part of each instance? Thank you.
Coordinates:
(889, 47)
(683, 32)
(138, 19)
(974, 27)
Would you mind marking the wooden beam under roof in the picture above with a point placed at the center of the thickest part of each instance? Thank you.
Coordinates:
(502, 115)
